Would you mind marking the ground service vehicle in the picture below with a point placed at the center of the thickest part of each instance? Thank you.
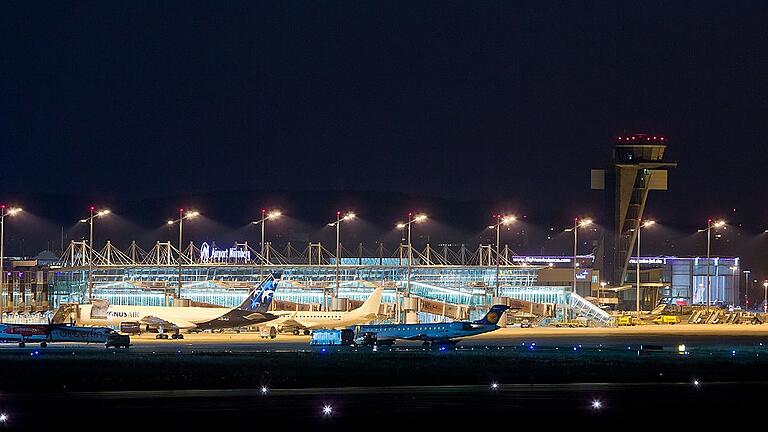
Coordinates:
(268, 332)
(626, 320)
(332, 337)
(666, 319)
(118, 340)
(366, 339)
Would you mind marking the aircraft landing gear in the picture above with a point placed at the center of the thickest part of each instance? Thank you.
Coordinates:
(43, 344)
(307, 332)
(22, 344)
(161, 336)
(425, 344)
(177, 336)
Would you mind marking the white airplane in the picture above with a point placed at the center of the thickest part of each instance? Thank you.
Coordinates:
(304, 321)
(159, 319)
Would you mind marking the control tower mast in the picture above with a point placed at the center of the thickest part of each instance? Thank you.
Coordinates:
(638, 168)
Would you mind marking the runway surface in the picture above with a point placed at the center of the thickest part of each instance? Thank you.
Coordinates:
(217, 379)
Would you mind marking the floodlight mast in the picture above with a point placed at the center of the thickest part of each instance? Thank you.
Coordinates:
(3, 213)
(89, 220)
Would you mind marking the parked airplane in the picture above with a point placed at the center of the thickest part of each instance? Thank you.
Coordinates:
(437, 333)
(45, 333)
(304, 321)
(159, 319)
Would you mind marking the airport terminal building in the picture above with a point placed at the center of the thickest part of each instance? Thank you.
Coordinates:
(223, 277)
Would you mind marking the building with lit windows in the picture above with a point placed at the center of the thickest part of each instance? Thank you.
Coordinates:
(152, 278)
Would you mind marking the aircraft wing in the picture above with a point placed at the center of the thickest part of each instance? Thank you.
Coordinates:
(420, 336)
(290, 324)
(259, 316)
(154, 321)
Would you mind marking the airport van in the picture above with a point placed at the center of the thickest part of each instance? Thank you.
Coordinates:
(666, 319)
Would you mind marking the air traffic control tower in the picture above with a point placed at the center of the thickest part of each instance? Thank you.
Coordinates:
(638, 168)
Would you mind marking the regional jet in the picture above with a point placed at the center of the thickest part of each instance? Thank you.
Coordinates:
(45, 333)
(304, 321)
(440, 334)
(161, 319)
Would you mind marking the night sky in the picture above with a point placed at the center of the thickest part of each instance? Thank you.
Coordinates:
(504, 104)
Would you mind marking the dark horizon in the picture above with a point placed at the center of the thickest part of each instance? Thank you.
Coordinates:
(463, 109)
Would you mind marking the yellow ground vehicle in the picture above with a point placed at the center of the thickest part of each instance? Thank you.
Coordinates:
(666, 319)
(626, 320)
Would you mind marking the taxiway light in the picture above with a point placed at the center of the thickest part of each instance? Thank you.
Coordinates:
(327, 410)
(596, 404)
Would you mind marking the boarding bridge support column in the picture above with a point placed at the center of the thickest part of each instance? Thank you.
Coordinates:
(410, 309)
(339, 304)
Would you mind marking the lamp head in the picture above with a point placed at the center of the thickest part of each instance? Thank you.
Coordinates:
(274, 214)
(400, 225)
(648, 223)
(14, 210)
(506, 220)
(170, 222)
(420, 217)
(585, 222)
(349, 216)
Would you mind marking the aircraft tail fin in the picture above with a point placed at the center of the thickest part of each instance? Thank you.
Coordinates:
(371, 305)
(493, 315)
(260, 298)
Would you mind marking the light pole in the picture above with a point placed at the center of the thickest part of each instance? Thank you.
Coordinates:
(746, 289)
(765, 297)
(265, 216)
(401, 225)
(180, 221)
(577, 223)
(3, 214)
(89, 220)
(337, 223)
(640, 226)
(500, 220)
(710, 225)
(734, 295)
(602, 288)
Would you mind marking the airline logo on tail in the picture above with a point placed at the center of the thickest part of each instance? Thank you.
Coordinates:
(493, 315)
(260, 298)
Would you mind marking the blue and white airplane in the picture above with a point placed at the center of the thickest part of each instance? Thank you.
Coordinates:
(436, 333)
